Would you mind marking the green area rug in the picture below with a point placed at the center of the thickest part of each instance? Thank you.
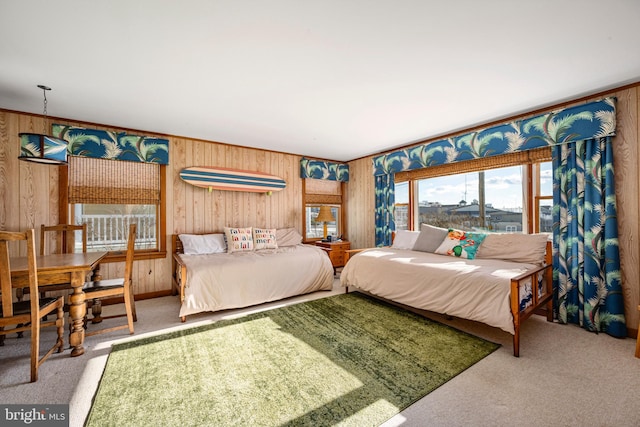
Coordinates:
(342, 360)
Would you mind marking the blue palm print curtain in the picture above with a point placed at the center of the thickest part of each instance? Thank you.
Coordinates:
(587, 287)
(385, 201)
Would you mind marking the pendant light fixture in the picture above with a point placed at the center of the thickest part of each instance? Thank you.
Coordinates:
(43, 148)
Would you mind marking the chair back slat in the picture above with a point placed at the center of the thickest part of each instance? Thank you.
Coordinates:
(5, 279)
(64, 237)
(128, 266)
(5, 269)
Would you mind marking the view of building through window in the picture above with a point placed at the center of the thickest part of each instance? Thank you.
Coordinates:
(489, 200)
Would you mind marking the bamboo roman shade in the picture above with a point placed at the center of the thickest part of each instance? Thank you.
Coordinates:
(101, 181)
(518, 158)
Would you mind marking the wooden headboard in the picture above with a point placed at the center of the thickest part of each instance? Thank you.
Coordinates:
(176, 244)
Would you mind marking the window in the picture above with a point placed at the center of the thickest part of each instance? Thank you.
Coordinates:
(315, 229)
(318, 193)
(483, 200)
(108, 195)
(543, 199)
(401, 209)
(513, 196)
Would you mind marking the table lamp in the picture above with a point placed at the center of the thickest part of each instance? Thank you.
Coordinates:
(325, 216)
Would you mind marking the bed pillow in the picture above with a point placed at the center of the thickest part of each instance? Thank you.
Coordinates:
(264, 238)
(405, 239)
(430, 238)
(239, 239)
(459, 243)
(517, 247)
(196, 244)
(288, 237)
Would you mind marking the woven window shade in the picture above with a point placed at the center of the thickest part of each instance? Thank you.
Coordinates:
(100, 181)
(518, 158)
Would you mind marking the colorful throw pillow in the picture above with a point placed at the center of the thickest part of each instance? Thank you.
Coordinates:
(264, 238)
(239, 239)
(459, 243)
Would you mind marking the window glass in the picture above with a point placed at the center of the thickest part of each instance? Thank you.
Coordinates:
(108, 225)
(401, 210)
(315, 229)
(544, 199)
(487, 200)
(546, 179)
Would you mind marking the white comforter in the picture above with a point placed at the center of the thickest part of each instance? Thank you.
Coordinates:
(224, 281)
(475, 289)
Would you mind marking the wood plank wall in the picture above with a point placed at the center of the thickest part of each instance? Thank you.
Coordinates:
(361, 201)
(29, 195)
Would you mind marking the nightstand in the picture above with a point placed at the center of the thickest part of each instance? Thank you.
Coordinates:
(336, 252)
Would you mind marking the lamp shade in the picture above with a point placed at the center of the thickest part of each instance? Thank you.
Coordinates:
(325, 214)
(39, 148)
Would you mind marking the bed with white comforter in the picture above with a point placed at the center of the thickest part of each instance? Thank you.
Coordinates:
(500, 293)
(220, 281)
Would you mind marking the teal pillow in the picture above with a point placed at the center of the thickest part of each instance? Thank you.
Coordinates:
(460, 243)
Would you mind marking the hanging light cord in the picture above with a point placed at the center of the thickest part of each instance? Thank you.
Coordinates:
(44, 112)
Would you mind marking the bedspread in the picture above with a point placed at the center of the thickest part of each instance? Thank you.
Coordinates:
(477, 289)
(240, 279)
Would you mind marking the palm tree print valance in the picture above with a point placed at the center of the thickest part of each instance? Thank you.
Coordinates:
(592, 120)
(319, 169)
(102, 144)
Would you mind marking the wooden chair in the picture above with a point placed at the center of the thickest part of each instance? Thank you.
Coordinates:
(120, 287)
(65, 243)
(27, 315)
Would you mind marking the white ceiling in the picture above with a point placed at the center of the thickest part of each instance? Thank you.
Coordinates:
(333, 79)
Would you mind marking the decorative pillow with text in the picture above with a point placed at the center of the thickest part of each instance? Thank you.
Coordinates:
(264, 238)
(239, 239)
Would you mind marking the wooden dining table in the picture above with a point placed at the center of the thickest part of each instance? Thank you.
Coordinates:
(57, 269)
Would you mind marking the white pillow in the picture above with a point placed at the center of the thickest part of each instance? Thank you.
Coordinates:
(194, 244)
(288, 237)
(264, 238)
(405, 239)
(239, 239)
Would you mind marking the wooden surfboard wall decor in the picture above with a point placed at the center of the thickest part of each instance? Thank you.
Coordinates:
(227, 179)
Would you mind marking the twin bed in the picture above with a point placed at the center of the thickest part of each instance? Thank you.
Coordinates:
(488, 288)
(216, 280)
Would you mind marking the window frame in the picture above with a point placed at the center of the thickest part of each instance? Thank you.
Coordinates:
(64, 213)
(538, 196)
(315, 198)
(527, 159)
